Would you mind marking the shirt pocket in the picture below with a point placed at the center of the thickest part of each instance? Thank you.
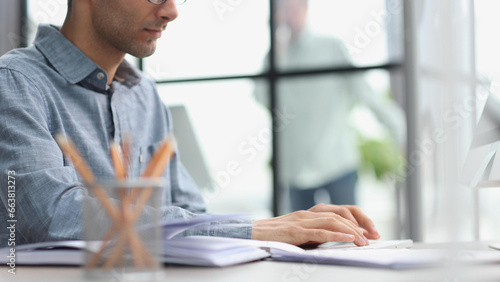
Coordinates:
(143, 157)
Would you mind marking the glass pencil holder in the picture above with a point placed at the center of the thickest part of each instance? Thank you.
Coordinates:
(122, 229)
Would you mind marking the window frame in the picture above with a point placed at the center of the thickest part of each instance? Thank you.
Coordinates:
(271, 76)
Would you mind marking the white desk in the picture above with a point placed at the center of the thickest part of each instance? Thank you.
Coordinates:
(283, 271)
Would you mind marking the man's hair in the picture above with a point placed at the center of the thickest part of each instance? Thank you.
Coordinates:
(69, 4)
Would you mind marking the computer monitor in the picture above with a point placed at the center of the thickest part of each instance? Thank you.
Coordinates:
(482, 164)
(189, 148)
(481, 168)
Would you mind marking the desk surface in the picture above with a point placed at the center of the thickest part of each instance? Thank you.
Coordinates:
(284, 271)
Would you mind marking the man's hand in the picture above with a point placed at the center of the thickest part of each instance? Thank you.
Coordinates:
(321, 223)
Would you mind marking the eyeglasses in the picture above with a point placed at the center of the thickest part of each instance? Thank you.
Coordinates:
(158, 2)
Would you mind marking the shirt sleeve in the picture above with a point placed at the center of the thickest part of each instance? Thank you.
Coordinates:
(236, 228)
(48, 195)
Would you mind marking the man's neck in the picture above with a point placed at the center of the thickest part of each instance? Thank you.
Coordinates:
(104, 55)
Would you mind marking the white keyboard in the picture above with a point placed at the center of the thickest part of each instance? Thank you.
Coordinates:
(495, 246)
(331, 247)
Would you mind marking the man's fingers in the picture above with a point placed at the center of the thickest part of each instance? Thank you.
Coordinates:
(352, 213)
(321, 235)
(338, 224)
(296, 234)
(365, 222)
(320, 224)
(343, 211)
(373, 235)
(333, 222)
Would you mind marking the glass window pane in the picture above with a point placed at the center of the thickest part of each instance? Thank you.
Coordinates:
(333, 33)
(44, 11)
(212, 38)
(234, 135)
(340, 141)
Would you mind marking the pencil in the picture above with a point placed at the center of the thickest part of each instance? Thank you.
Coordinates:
(157, 168)
(126, 148)
(84, 170)
(116, 158)
(120, 174)
(127, 232)
(160, 157)
(124, 218)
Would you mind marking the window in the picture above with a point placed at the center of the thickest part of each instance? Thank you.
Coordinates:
(212, 39)
(218, 54)
(235, 137)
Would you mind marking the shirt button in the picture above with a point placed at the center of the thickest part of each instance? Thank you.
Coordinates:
(100, 76)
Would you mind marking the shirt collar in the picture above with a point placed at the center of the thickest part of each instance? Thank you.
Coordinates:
(74, 65)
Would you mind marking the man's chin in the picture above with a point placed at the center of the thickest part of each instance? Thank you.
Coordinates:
(143, 53)
(142, 56)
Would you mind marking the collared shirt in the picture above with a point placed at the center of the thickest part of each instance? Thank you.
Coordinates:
(52, 87)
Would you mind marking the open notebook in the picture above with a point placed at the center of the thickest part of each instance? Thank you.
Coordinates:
(219, 252)
(207, 251)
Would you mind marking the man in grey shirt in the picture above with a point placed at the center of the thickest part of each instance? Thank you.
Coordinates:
(74, 79)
